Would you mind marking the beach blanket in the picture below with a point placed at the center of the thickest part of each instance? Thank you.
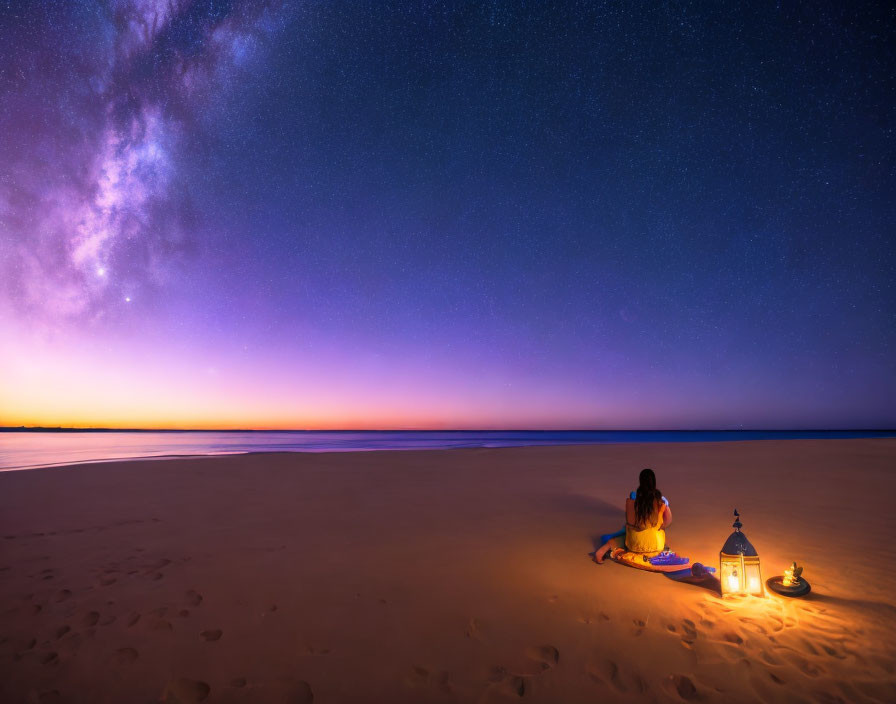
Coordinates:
(666, 561)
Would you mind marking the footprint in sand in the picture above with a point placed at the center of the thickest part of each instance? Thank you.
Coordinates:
(515, 685)
(300, 693)
(750, 623)
(497, 673)
(641, 687)
(186, 691)
(806, 667)
(832, 652)
(769, 658)
(212, 635)
(20, 647)
(688, 633)
(90, 618)
(423, 677)
(683, 686)
(62, 595)
(774, 678)
(238, 682)
(547, 656)
(194, 598)
(50, 658)
(505, 683)
(809, 648)
(316, 652)
(607, 672)
(731, 637)
(107, 580)
(132, 621)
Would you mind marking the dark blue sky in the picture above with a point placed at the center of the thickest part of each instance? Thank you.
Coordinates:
(456, 214)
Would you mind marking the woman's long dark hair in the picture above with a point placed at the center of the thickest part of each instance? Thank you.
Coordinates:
(646, 497)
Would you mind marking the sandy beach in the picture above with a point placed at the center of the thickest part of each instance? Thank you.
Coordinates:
(440, 576)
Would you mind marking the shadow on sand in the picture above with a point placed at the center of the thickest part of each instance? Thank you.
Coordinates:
(596, 510)
(705, 580)
(876, 608)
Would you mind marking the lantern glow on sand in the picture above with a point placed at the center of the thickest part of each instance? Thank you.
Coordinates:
(739, 564)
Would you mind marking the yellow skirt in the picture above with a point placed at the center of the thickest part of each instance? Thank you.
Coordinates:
(649, 541)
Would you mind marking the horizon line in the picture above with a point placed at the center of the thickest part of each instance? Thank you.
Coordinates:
(45, 428)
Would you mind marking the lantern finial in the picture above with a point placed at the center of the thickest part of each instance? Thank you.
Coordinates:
(737, 524)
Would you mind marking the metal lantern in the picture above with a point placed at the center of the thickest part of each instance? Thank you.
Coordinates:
(739, 564)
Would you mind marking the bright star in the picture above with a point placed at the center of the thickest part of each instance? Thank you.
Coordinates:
(127, 299)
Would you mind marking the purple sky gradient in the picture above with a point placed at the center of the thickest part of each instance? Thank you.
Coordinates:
(270, 215)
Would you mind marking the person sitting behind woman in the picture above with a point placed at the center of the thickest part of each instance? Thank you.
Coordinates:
(646, 518)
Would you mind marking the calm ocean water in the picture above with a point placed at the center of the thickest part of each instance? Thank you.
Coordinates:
(23, 450)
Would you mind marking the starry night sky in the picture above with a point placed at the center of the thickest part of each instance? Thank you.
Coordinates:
(371, 214)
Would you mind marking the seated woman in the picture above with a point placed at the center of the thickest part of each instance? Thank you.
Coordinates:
(646, 519)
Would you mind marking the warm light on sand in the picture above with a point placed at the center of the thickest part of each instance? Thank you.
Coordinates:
(450, 562)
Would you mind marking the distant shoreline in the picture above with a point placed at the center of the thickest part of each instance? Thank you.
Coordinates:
(44, 429)
(21, 449)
